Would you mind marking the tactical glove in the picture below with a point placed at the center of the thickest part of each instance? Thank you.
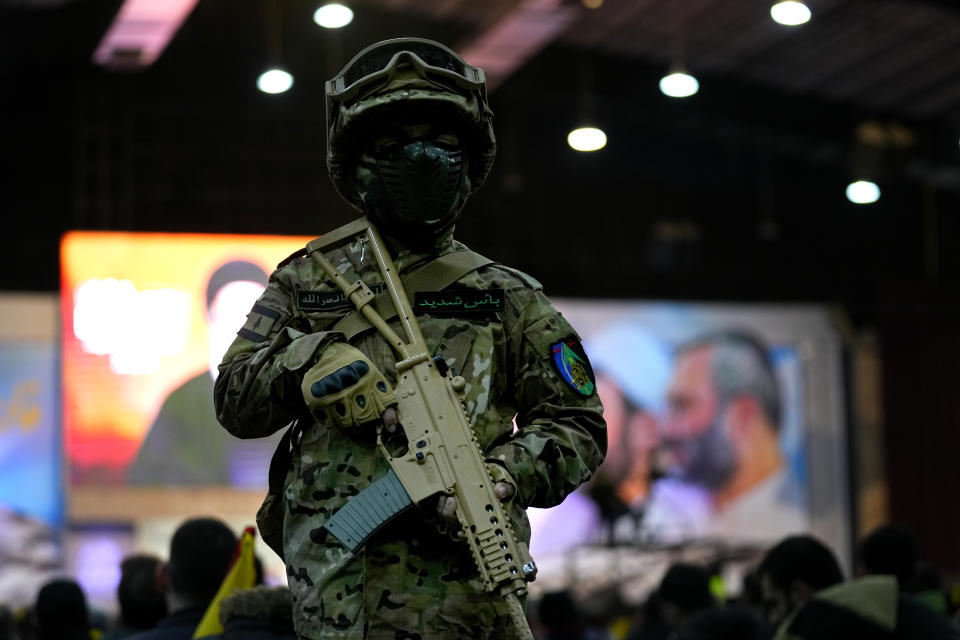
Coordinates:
(346, 387)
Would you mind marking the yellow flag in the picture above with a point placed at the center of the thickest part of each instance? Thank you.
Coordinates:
(242, 575)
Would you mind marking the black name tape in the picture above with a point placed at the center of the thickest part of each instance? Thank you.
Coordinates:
(328, 300)
(458, 301)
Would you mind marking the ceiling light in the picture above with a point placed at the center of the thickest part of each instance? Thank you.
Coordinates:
(679, 85)
(333, 16)
(587, 139)
(790, 13)
(593, 4)
(274, 81)
(863, 192)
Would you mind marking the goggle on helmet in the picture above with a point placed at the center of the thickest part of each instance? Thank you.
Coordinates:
(379, 63)
(441, 69)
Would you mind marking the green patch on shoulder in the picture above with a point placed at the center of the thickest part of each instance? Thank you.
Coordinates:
(571, 363)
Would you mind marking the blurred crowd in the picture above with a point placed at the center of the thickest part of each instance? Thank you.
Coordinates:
(161, 599)
(797, 592)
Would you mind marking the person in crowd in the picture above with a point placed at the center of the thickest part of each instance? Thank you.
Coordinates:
(562, 619)
(185, 444)
(928, 588)
(261, 613)
(889, 550)
(804, 589)
(201, 552)
(684, 593)
(740, 618)
(892, 550)
(61, 613)
(728, 623)
(142, 605)
(650, 625)
(792, 571)
(8, 624)
(721, 435)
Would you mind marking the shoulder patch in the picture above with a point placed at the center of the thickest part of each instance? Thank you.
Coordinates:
(299, 253)
(259, 322)
(571, 363)
(527, 279)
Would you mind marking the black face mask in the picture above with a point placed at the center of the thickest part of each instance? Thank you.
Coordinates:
(414, 191)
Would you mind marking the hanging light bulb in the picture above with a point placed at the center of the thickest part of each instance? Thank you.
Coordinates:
(863, 192)
(587, 139)
(790, 13)
(274, 81)
(679, 84)
(333, 16)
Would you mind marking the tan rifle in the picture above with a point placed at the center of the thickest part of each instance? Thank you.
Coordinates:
(441, 454)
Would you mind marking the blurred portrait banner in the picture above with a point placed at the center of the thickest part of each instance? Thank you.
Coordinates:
(146, 319)
(717, 416)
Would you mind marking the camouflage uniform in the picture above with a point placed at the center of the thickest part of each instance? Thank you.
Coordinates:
(409, 580)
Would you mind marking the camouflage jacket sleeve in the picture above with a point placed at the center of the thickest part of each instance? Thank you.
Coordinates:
(561, 436)
(258, 387)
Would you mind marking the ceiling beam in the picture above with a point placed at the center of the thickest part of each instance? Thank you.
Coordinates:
(140, 32)
(517, 36)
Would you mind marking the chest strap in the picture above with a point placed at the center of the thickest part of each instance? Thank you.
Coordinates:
(436, 275)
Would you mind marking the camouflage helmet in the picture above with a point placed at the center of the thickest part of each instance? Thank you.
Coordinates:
(406, 80)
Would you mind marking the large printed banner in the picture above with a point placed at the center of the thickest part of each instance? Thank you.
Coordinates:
(146, 319)
(29, 436)
(725, 428)
(31, 486)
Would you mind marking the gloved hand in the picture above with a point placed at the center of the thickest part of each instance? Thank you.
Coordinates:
(346, 387)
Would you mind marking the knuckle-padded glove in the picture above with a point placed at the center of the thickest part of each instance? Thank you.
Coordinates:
(346, 387)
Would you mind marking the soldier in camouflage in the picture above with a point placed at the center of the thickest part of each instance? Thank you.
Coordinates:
(409, 138)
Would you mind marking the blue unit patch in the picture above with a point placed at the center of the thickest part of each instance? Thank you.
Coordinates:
(572, 364)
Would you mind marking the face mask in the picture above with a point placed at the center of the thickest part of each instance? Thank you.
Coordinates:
(414, 191)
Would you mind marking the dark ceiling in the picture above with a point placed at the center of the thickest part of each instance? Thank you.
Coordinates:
(735, 193)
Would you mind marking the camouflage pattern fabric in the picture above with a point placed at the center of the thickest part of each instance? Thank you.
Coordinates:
(409, 580)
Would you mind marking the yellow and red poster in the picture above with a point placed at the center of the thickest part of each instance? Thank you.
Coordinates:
(146, 317)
